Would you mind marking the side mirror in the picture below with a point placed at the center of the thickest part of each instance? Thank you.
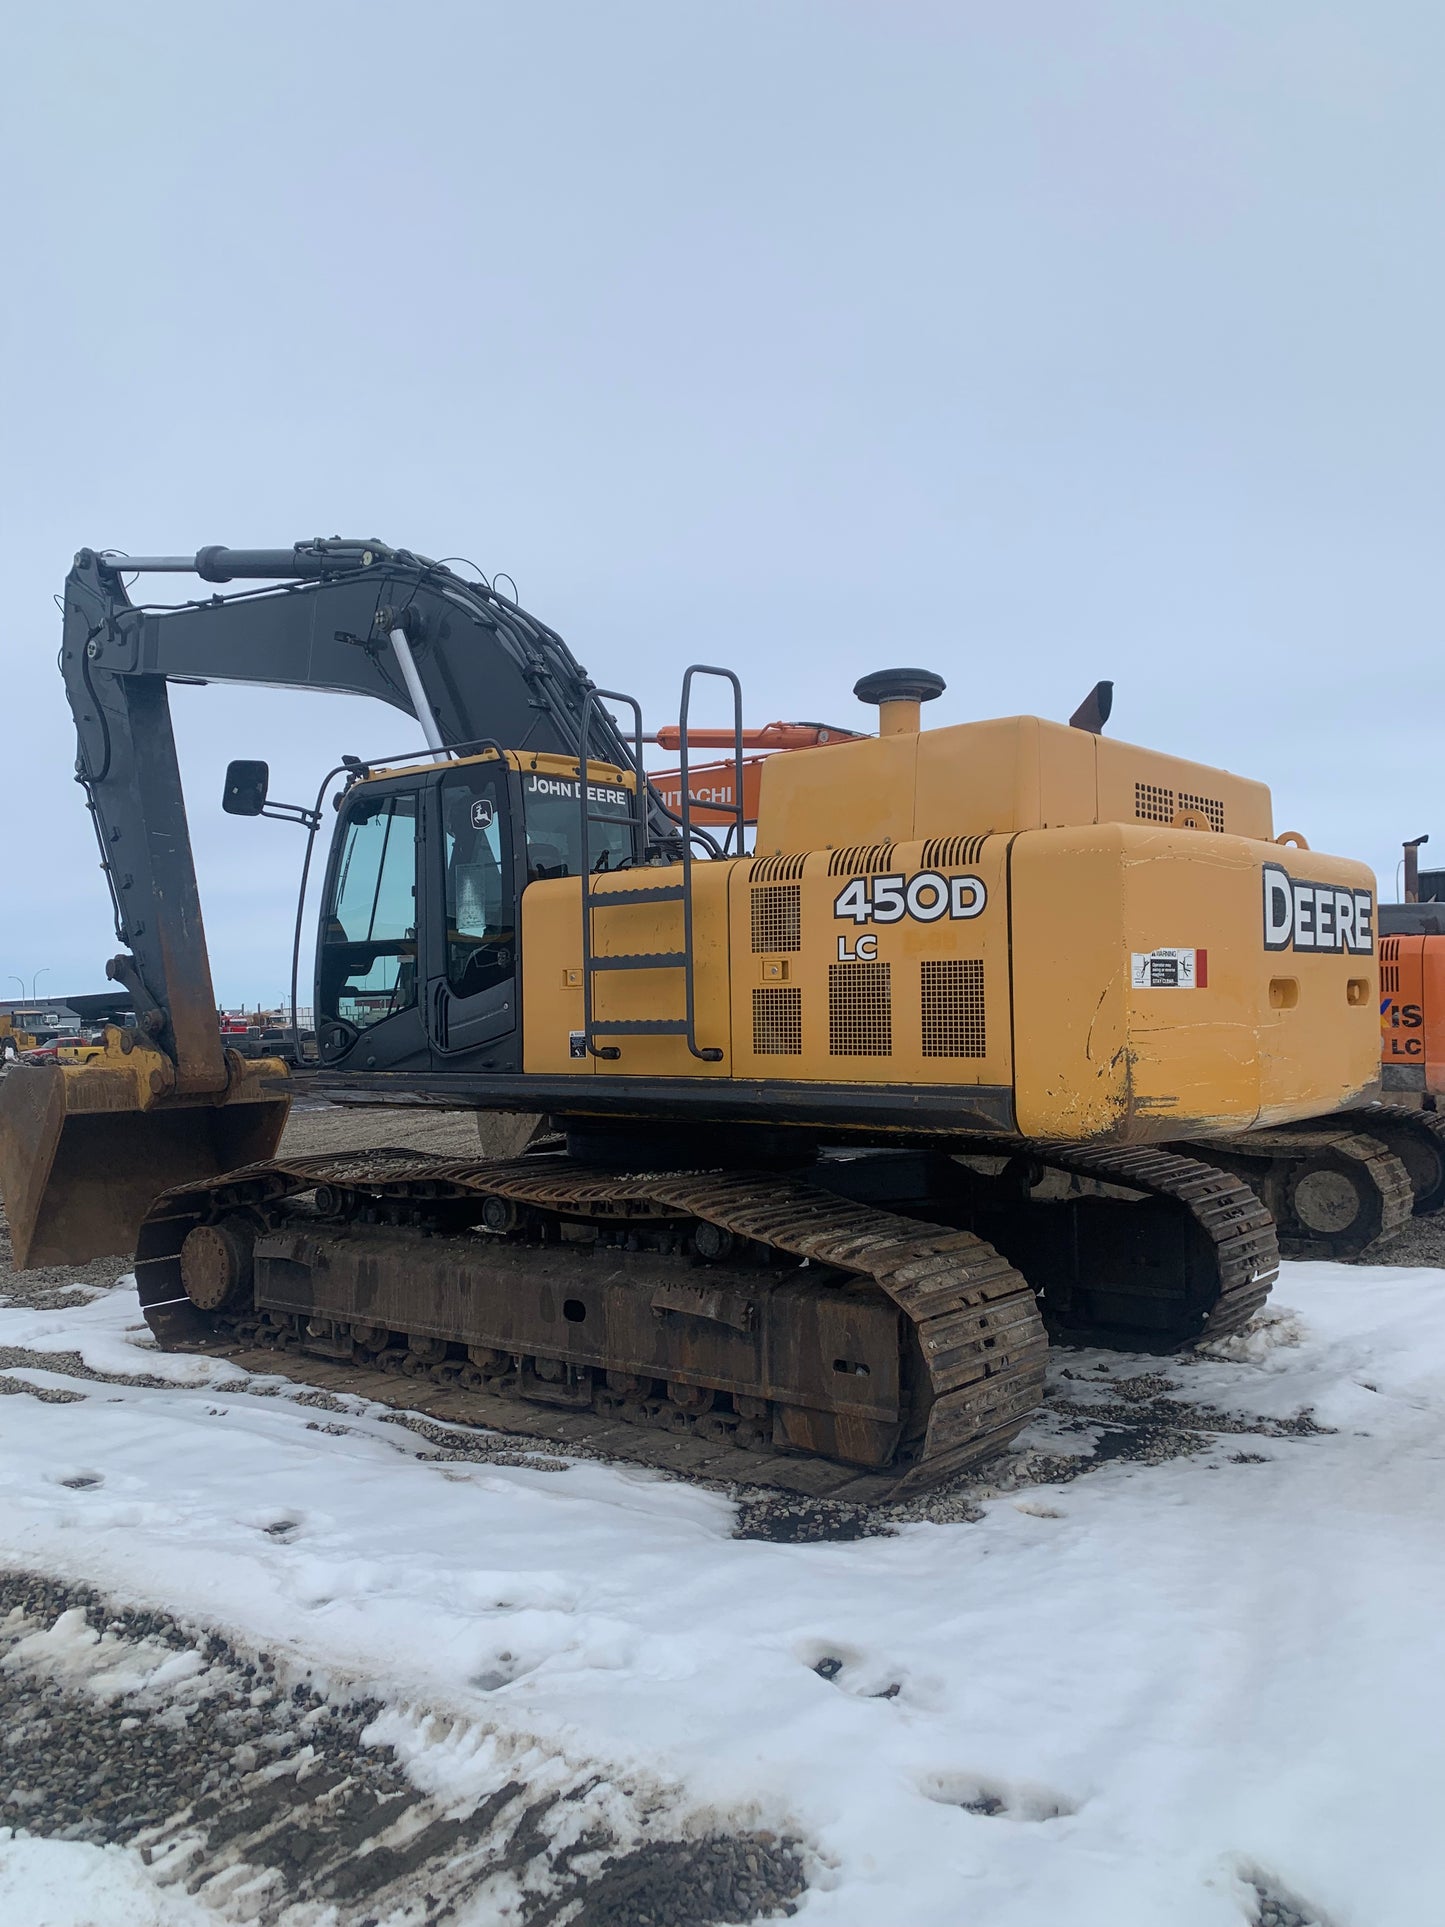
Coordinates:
(245, 791)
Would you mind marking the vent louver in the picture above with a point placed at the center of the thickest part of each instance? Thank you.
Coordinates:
(1156, 803)
(1209, 807)
(778, 1021)
(953, 852)
(860, 1010)
(953, 1010)
(776, 869)
(777, 917)
(863, 860)
(1389, 965)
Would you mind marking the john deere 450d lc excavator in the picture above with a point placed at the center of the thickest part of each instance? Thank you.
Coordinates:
(999, 1027)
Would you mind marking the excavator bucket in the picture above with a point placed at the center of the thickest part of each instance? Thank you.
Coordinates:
(85, 1149)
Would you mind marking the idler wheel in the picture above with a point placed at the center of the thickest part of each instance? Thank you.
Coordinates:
(216, 1265)
(1335, 1201)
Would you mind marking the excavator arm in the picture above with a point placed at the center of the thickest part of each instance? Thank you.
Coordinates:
(355, 617)
(84, 1149)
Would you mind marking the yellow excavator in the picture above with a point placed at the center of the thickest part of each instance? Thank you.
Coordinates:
(999, 1029)
(13, 1040)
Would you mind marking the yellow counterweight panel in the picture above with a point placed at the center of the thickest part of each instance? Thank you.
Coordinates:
(1146, 1004)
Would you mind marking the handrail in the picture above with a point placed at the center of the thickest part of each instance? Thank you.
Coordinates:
(637, 819)
(709, 1055)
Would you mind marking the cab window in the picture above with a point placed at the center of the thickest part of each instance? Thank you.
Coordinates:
(554, 830)
(481, 915)
(368, 957)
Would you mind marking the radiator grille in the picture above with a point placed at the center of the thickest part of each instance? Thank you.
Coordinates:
(776, 869)
(1207, 806)
(952, 852)
(1389, 964)
(777, 917)
(1153, 804)
(1157, 803)
(863, 860)
(860, 1010)
(778, 1021)
(953, 1018)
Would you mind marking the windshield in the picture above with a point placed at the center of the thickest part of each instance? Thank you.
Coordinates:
(554, 827)
(368, 950)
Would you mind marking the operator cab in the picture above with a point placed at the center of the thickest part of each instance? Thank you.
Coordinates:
(417, 961)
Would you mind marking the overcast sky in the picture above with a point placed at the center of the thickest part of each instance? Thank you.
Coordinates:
(1031, 343)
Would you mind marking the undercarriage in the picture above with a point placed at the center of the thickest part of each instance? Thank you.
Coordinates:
(862, 1328)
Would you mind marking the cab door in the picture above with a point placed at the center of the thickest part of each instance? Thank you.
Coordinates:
(472, 976)
(368, 962)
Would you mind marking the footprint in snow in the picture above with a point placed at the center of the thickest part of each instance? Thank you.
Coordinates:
(1275, 1905)
(995, 1799)
(505, 1668)
(850, 1673)
(282, 1526)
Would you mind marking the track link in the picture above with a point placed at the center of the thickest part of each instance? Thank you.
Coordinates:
(1417, 1139)
(972, 1321)
(1204, 1280)
(1239, 1229)
(1335, 1193)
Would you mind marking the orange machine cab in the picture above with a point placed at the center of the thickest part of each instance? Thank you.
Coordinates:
(1412, 1010)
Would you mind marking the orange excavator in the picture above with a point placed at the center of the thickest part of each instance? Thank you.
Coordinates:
(713, 786)
(1412, 987)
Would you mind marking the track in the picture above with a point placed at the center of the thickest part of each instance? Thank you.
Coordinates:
(1417, 1139)
(1227, 1276)
(385, 1241)
(1335, 1193)
(973, 1344)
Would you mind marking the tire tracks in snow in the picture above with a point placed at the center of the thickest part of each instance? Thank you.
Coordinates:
(267, 1797)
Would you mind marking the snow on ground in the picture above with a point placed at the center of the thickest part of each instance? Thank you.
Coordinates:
(60, 1883)
(1108, 1702)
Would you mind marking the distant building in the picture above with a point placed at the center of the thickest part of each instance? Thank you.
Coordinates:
(47, 1017)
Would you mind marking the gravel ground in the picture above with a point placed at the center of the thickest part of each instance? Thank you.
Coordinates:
(1274, 1911)
(257, 1790)
(1421, 1242)
(326, 1127)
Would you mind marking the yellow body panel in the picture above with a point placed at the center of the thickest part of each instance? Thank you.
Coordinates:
(852, 1021)
(552, 971)
(1015, 773)
(1067, 922)
(1270, 1036)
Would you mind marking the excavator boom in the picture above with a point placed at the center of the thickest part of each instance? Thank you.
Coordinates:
(83, 1150)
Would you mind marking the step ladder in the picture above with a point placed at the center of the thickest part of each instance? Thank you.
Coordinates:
(595, 901)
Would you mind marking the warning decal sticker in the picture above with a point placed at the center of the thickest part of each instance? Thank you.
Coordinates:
(1169, 969)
